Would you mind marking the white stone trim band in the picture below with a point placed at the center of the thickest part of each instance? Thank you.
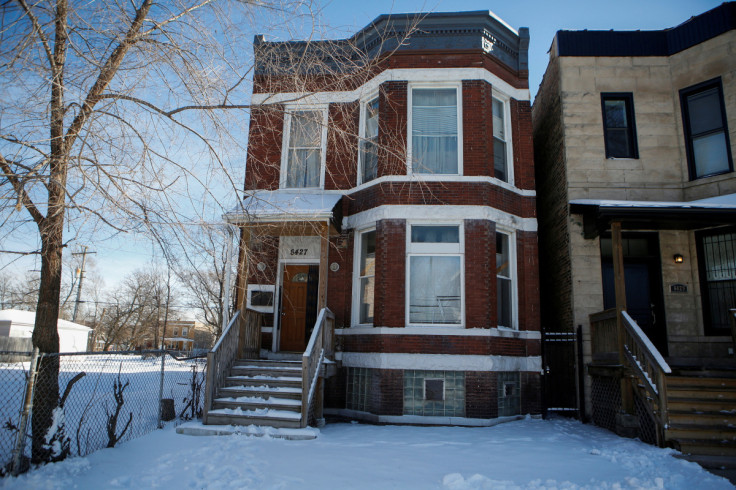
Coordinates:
(441, 362)
(444, 331)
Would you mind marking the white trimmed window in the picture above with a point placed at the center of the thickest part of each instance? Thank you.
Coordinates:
(435, 275)
(505, 280)
(501, 147)
(184, 331)
(368, 157)
(364, 277)
(435, 130)
(305, 136)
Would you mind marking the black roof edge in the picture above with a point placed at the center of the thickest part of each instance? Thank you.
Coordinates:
(664, 42)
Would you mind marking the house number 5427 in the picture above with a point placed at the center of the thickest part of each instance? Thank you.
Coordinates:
(299, 251)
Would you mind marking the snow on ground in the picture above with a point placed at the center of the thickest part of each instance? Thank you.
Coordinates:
(536, 454)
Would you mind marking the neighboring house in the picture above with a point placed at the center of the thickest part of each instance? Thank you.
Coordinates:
(185, 336)
(402, 198)
(634, 138)
(73, 337)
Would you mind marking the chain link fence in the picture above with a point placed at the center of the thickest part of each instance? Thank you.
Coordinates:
(89, 401)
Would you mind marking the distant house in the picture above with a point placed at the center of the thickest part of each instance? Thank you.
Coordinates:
(634, 138)
(73, 337)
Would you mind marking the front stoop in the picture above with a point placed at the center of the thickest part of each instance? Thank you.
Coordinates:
(196, 428)
(264, 393)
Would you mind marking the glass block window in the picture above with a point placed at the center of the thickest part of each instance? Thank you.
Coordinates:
(509, 394)
(357, 392)
(434, 393)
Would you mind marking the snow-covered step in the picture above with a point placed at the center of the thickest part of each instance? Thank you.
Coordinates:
(251, 370)
(270, 417)
(253, 403)
(269, 363)
(262, 390)
(284, 381)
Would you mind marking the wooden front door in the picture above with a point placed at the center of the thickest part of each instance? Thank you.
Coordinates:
(298, 305)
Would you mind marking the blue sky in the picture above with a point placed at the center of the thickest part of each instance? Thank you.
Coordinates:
(543, 18)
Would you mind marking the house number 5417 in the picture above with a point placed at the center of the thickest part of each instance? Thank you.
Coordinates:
(299, 251)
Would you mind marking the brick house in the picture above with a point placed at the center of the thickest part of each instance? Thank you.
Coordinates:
(393, 183)
(634, 138)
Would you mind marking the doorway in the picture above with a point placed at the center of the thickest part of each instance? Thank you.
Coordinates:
(298, 306)
(643, 279)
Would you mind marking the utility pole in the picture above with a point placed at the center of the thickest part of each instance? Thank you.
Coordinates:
(80, 274)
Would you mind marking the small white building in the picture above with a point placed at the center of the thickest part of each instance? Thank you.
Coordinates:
(17, 323)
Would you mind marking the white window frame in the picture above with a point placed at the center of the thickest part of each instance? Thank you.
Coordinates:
(288, 114)
(431, 250)
(361, 131)
(506, 101)
(458, 86)
(511, 234)
(357, 245)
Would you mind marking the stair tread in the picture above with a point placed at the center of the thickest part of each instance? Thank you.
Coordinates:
(262, 413)
(262, 388)
(260, 400)
(264, 377)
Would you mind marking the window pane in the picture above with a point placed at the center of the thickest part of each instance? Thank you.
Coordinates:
(368, 254)
(367, 281)
(615, 114)
(305, 130)
(617, 143)
(502, 255)
(369, 142)
(499, 128)
(720, 269)
(304, 167)
(499, 160)
(435, 234)
(434, 131)
(503, 292)
(371, 119)
(435, 289)
(367, 285)
(710, 154)
(705, 111)
(504, 285)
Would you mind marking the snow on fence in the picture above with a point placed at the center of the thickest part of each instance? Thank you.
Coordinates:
(104, 398)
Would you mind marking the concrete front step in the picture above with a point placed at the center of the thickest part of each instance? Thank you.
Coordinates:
(258, 403)
(262, 391)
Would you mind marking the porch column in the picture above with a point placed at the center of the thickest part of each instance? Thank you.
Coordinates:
(241, 286)
(619, 282)
(324, 235)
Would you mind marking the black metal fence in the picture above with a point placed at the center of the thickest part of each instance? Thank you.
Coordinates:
(83, 402)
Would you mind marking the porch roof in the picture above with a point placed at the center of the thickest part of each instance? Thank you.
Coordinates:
(262, 206)
(598, 214)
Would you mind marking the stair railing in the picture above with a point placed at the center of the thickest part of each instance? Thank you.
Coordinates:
(240, 339)
(650, 368)
(321, 345)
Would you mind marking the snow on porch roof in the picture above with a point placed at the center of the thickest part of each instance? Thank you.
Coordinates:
(285, 206)
(727, 201)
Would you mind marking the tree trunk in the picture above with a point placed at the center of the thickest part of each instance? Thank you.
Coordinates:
(46, 338)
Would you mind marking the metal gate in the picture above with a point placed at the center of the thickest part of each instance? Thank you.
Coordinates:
(560, 352)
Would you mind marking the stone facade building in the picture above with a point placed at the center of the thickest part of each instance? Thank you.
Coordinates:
(392, 181)
(638, 128)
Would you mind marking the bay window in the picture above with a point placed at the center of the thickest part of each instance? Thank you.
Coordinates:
(434, 130)
(364, 280)
(435, 275)
(505, 288)
(303, 159)
(368, 163)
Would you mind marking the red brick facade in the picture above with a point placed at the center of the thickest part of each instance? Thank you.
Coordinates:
(475, 201)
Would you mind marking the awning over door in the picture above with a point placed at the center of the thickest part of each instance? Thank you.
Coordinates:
(287, 206)
(598, 214)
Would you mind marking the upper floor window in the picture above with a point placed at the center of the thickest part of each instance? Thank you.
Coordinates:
(505, 284)
(184, 331)
(302, 162)
(500, 147)
(706, 132)
(435, 275)
(368, 163)
(434, 130)
(618, 125)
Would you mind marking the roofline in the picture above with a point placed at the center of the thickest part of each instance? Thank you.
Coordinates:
(664, 42)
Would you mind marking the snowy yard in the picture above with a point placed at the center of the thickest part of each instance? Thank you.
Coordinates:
(558, 453)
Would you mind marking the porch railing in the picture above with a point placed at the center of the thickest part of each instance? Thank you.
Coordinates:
(321, 346)
(640, 357)
(240, 339)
